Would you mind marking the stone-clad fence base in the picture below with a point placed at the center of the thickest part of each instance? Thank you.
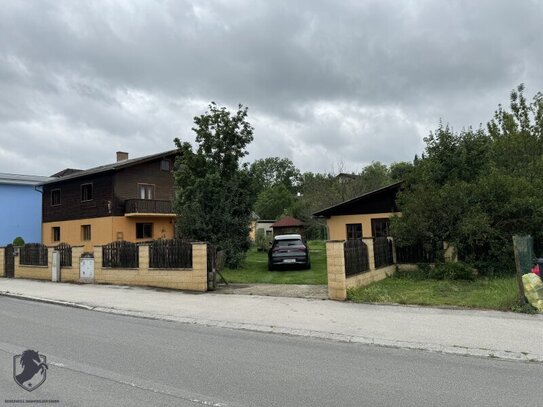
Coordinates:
(339, 282)
(192, 279)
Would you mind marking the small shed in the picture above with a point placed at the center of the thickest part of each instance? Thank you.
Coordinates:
(288, 225)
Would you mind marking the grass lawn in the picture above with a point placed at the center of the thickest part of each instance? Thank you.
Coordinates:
(486, 293)
(255, 269)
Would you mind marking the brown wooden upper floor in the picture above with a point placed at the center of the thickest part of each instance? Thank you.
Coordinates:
(143, 185)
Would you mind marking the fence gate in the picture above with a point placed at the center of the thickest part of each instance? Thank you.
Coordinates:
(211, 266)
(9, 261)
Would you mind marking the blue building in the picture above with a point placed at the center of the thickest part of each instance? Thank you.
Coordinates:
(20, 207)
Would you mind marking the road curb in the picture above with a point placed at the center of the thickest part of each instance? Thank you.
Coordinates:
(330, 336)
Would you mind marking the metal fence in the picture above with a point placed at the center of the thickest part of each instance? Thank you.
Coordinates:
(65, 251)
(120, 254)
(417, 253)
(33, 254)
(382, 252)
(356, 257)
(167, 254)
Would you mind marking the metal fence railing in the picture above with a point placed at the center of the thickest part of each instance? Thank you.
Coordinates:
(413, 254)
(382, 252)
(356, 256)
(65, 251)
(172, 253)
(120, 254)
(33, 254)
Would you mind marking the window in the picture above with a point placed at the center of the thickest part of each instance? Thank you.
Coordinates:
(85, 232)
(86, 192)
(354, 231)
(146, 191)
(55, 233)
(165, 165)
(55, 197)
(144, 230)
(380, 227)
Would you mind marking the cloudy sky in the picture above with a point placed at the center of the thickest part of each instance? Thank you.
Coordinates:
(328, 83)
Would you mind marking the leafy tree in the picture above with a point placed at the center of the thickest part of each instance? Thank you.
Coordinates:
(215, 194)
(475, 190)
(273, 202)
(272, 171)
(373, 176)
(400, 171)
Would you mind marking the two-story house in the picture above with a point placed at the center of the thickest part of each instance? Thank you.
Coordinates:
(20, 207)
(130, 199)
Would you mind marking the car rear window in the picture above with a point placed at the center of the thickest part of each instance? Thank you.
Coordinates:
(293, 242)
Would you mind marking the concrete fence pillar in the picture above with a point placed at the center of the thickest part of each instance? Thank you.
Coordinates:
(371, 253)
(335, 264)
(199, 266)
(143, 253)
(394, 258)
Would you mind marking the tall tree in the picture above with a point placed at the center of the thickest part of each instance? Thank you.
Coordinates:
(272, 171)
(476, 189)
(273, 202)
(215, 193)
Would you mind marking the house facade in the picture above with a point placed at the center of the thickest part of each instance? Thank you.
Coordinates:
(365, 216)
(20, 208)
(131, 199)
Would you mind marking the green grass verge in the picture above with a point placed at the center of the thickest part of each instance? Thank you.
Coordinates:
(485, 293)
(255, 269)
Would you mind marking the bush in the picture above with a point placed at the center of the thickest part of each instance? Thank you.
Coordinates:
(18, 241)
(261, 241)
(440, 271)
(452, 271)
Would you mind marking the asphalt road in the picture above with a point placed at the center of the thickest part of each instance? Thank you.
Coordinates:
(98, 359)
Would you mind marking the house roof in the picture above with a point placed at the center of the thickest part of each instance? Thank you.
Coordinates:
(287, 221)
(382, 200)
(66, 171)
(110, 167)
(19, 179)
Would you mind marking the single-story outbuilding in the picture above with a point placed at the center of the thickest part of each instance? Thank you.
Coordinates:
(287, 226)
(367, 215)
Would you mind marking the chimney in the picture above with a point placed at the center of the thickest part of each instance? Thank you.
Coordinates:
(121, 156)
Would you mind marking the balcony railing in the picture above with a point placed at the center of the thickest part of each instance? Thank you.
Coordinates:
(135, 206)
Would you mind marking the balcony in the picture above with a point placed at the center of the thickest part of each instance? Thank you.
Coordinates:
(148, 207)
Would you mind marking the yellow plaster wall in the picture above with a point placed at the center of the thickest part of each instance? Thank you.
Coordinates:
(163, 227)
(70, 232)
(337, 225)
(105, 230)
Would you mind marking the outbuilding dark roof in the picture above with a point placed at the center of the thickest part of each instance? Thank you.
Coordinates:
(287, 221)
(382, 200)
(111, 167)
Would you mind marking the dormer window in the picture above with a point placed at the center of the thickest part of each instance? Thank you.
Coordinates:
(86, 192)
(165, 165)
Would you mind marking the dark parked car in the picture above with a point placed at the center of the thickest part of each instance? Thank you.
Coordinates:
(288, 250)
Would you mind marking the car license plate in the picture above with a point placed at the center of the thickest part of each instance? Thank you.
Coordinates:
(289, 260)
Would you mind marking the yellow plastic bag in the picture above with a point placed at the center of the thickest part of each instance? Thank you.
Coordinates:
(533, 290)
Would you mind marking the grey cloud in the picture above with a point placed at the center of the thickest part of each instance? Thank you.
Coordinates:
(116, 74)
